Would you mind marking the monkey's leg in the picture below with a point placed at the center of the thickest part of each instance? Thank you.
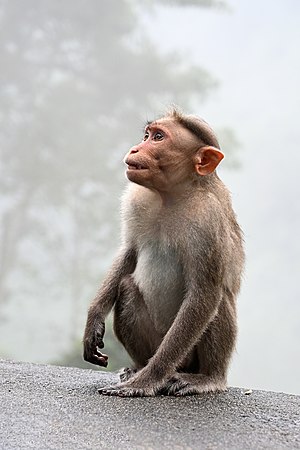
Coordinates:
(214, 351)
(133, 325)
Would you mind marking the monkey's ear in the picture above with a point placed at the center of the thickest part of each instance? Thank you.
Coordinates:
(207, 159)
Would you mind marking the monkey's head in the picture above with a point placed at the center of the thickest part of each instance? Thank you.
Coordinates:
(176, 150)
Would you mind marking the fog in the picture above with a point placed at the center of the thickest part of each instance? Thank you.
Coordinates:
(76, 86)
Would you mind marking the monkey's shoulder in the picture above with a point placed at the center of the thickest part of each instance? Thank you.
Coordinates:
(206, 207)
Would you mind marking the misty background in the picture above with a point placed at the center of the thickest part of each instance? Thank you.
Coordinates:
(78, 80)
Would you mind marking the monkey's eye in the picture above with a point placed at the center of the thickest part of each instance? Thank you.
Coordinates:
(158, 136)
(146, 135)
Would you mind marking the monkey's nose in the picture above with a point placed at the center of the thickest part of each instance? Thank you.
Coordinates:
(133, 150)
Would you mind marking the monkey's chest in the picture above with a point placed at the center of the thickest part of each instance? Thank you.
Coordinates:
(159, 277)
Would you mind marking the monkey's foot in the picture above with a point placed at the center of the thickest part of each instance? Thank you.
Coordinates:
(126, 373)
(120, 390)
(192, 384)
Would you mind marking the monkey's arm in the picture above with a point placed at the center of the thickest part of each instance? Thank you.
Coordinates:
(203, 270)
(102, 304)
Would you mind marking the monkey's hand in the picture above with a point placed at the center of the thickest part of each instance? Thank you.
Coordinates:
(139, 385)
(92, 342)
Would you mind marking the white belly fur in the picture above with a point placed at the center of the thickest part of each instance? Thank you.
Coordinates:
(158, 275)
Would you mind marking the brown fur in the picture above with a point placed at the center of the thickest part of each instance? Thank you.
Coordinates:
(175, 283)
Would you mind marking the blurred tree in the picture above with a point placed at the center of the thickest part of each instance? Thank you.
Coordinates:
(76, 78)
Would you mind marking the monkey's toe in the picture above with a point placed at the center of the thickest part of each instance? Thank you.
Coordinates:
(181, 388)
(127, 373)
(200, 388)
(188, 389)
(111, 391)
(122, 391)
(173, 387)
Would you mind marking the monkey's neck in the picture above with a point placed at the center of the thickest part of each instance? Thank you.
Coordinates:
(195, 186)
(169, 199)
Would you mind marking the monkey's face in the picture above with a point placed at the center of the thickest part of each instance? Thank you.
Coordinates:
(163, 160)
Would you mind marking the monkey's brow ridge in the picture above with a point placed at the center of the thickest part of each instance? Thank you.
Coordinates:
(149, 123)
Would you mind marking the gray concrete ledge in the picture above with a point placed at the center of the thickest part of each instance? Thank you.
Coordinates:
(48, 407)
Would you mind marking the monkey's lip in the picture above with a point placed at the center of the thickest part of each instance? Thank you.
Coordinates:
(135, 166)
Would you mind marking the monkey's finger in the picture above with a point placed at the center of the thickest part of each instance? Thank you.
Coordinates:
(98, 358)
(99, 342)
(100, 354)
(101, 361)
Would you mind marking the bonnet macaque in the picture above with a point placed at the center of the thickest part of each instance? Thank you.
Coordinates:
(174, 284)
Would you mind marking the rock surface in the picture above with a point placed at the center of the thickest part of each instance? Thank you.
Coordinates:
(48, 407)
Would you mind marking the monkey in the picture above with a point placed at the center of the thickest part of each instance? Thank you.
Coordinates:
(175, 281)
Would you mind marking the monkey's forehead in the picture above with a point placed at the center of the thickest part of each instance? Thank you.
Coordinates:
(164, 121)
(193, 126)
(167, 123)
(198, 127)
(171, 125)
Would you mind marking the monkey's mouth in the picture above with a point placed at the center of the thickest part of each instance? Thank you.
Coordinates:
(135, 166)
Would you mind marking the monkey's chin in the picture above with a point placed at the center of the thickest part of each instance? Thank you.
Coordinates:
(136, 175)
